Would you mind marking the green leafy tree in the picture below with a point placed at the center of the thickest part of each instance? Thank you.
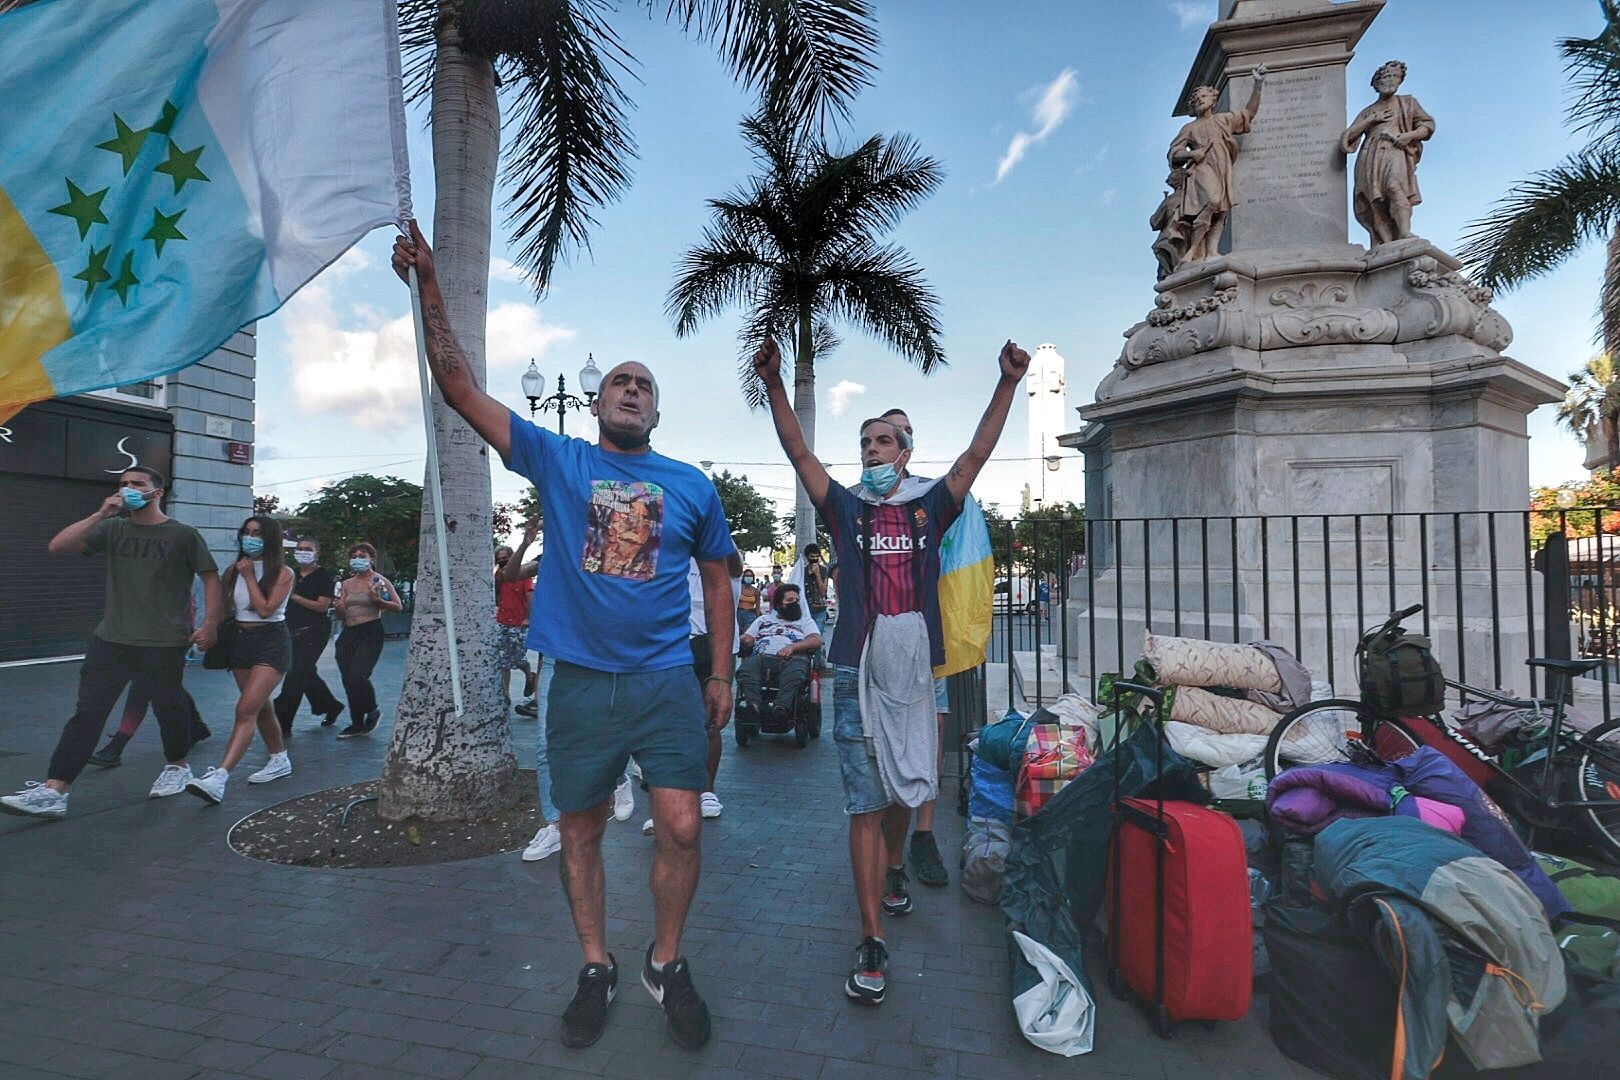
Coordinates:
(750, 515)
(1040, 542)
(384, 511)
(510, 517)
(1550, 216)
(786, 540)
(553, 67)
(267, 504)
(800, 248)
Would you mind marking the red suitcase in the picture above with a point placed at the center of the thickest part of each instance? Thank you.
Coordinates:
(1180, 927)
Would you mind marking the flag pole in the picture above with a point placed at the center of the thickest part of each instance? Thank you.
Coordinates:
(437, 488)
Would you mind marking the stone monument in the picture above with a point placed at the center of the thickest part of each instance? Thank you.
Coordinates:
(1290, 372)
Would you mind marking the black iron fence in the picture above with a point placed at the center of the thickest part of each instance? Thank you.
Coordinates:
(1074, 597)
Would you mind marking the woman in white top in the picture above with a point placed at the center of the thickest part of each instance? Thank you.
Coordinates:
(258, 584)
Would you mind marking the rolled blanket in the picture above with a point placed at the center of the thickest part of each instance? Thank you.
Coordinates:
(1191, 662)
(1192, 705)
(1211, 748)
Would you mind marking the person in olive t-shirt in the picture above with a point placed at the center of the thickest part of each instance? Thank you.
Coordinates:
(142, 637)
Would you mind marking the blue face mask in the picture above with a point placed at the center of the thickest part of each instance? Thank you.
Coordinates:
(132, 498)
(252, 546)
(359, 566)
(880, 479)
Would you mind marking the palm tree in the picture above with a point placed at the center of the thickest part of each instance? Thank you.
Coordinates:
(1593, 401)
(800, 247)
(555, 66)
(1548, 217)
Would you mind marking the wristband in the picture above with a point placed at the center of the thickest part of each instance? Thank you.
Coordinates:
(718, 678)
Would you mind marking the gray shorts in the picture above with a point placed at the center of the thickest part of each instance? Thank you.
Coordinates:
(595, 720)
(511, 649)
(262, 645)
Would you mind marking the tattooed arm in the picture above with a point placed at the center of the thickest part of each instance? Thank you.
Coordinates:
(1014, 362)
(461, 391)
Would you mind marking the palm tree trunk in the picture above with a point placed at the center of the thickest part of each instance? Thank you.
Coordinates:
(440, 766)
(804, 407)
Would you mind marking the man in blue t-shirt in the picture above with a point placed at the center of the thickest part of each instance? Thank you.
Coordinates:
(622, 526)
(888, 637)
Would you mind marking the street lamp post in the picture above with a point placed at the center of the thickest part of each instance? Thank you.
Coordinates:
(534, 383)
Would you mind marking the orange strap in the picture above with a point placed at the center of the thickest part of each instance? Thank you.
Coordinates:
(1397, 1064)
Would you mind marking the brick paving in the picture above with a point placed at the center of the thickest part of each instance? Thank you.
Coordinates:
(135, 944)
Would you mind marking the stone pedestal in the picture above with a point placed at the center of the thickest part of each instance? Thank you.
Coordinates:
(1299, 375)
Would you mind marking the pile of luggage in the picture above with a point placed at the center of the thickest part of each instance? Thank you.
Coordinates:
(1395, 919)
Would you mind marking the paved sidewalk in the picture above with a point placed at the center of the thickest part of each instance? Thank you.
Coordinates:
(135, 944)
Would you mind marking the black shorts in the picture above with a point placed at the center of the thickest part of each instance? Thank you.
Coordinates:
(702, 658)
(262, 645)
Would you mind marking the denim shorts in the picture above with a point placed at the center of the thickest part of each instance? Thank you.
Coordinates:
(863, 787)
(942, 698)
(596, 719)
(262, 645)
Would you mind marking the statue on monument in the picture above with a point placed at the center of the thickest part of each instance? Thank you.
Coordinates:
(1391, 132)
(1171, 246)
(1205, 150)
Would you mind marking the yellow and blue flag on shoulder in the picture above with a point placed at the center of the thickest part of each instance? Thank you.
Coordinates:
(171, 170)
(967, 574)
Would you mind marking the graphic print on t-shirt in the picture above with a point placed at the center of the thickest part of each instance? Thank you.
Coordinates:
(623, 529)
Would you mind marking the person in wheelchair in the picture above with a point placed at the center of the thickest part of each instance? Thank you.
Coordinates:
(781, 641)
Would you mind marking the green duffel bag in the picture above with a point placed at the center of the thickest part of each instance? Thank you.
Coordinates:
(1590, 935)
(1589, 891)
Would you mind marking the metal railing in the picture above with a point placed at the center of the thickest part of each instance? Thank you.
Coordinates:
(1497, 588)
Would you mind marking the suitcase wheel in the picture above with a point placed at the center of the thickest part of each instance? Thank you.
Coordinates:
(1116, 984)
(1161, 1021)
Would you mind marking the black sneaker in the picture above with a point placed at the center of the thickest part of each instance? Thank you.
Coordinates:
(372, 719)
(868, 978)
(925, 860)
(352, 730)
(110, 756)
(586, 1015)
(331, 718)
(672, 988)
(896, 900)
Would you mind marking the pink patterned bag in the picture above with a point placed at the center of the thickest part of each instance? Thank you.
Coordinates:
(1054, 755)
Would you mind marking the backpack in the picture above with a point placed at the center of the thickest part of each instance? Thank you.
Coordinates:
(1399, 673)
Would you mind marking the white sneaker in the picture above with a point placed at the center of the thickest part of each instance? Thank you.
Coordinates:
(548, 841)
(647, 827)
(210, 786)
(36, 800)
(710, 805)
(171, 781)
(624, 801)
(278, 766)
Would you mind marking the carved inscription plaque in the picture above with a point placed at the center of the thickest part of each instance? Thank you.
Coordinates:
(1291, 175)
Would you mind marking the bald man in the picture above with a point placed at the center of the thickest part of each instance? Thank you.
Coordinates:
(622, 526)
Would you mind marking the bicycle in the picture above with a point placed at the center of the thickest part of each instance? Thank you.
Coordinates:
(1586, 766)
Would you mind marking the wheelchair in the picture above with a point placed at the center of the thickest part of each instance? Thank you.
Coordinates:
(801, 717)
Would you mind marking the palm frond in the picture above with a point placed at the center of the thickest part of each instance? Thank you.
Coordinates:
(807, 59)
(724, 269)
(869, 191)
(418, 41)
(882, 291)
(1593, 65)
(1545, 219)
(570, 145)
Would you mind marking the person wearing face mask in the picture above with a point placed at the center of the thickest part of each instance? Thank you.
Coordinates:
(309, 621)
(142, 637)
(361, 599)
(258, 584)
(747, 601)
(623, 524)
(783, 641)
(888, 637)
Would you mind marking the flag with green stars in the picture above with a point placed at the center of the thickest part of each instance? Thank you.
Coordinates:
(171, 170)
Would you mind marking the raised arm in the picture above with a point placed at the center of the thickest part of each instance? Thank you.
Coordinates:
(1014, 363)
(1253, 105)
(812, 474)
(516, 569)
(489, 417)
(70, 541)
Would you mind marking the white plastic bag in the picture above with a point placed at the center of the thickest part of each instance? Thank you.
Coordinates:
(1056, 1015)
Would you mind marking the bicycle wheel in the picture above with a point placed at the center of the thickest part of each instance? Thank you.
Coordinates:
(1598, 777)
(1324, 733)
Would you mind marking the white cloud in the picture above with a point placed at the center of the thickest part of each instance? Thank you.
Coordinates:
(842, 394)
(1193, 13)
(1055, 101)
(506, 270)
(1107, 197)
(361, 362)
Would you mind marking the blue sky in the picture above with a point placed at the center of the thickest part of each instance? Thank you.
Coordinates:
(1055, 251)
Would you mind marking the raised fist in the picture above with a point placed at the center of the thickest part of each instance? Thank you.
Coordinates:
(1014, 361)
(768, 361)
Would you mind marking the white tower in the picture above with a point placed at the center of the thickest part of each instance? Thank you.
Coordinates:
(1048, 411)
